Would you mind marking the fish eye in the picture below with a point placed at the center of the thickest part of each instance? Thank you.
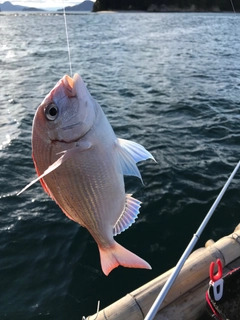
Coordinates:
(51, 112)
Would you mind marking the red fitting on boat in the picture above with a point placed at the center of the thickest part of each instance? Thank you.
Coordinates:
(216, 280)
(218, 275)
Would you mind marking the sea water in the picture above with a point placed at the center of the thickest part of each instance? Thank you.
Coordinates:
(169, 81)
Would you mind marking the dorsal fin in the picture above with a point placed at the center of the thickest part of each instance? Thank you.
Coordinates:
(129, 215)
(128, 165)
(129, 154)
(136, 150)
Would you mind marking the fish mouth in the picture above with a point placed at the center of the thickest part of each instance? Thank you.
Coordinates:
(77, 137)
(71, 126)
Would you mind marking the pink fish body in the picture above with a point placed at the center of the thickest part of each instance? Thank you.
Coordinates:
(81, 163)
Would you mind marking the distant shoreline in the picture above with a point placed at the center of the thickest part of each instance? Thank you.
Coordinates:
(169, 9)
(173, 8)
(44, 12)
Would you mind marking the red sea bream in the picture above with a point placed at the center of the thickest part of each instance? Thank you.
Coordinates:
(81, 163)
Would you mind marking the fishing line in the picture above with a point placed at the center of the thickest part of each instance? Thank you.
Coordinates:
(68, 46)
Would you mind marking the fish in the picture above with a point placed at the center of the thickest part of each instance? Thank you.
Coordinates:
(81, 165)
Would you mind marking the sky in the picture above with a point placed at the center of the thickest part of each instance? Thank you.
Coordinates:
(45, 3)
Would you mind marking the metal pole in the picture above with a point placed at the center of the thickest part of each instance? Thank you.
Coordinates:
(156, 305)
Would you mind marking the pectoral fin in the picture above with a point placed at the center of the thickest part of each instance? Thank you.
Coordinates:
(67, 154)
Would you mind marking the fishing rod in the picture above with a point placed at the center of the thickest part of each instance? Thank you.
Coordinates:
(233, 6)
(156, 305)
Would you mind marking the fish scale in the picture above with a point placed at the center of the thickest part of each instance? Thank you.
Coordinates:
(89, 197)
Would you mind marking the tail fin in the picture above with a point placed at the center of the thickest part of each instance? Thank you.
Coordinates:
(117, 255)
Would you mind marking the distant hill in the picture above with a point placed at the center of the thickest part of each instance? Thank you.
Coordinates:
(7, 6)
(84, 6)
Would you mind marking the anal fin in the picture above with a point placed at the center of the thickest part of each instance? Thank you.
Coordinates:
(129, 215)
